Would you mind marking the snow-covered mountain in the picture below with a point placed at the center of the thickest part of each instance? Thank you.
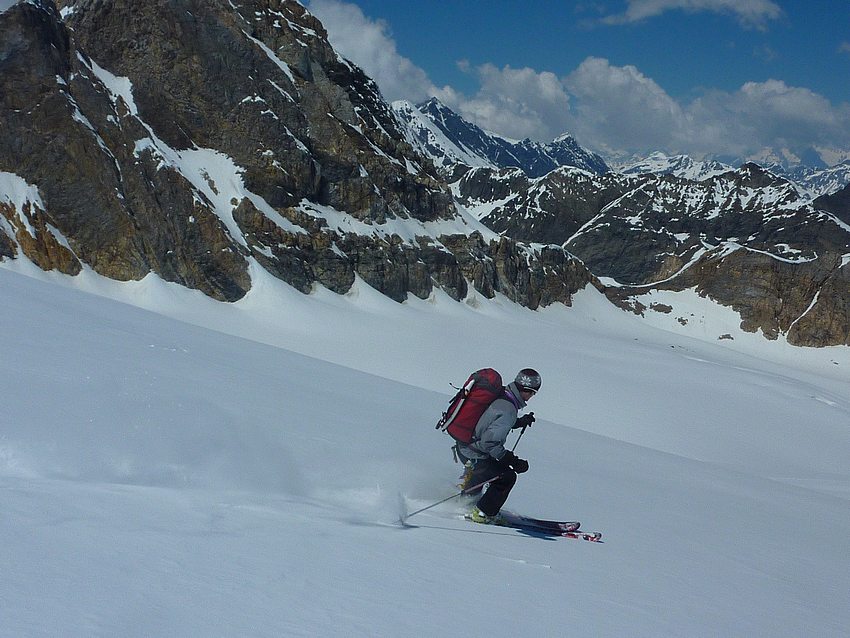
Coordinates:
(161, 478)
(822, 181)
(432, 139)
(447, 138)
(746, 238)
(811, 181)
(679, 165)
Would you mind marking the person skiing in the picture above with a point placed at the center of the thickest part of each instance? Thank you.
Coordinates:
(486, 457)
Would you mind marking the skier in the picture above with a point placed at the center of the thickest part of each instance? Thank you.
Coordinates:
(486, 457)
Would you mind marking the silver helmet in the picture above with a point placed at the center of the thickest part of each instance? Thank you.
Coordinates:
(528, 379)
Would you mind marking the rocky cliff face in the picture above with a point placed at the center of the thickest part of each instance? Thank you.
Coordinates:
(190, 137)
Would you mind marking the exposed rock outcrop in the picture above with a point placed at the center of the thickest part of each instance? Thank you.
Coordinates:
(188, 137)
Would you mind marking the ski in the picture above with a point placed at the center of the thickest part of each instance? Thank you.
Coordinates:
(563, 526)
(542, 530)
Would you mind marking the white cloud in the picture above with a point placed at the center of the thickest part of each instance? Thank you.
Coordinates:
(517, 103)
(620, 107)
(369, 44)
(771, 114)
(751, 13)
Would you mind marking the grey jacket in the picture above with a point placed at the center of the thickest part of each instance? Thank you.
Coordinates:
(493, 427)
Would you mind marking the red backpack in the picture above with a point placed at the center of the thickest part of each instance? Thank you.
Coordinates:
(466, 407)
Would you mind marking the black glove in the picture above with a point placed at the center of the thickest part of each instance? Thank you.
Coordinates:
(513, 462)
(524, 421)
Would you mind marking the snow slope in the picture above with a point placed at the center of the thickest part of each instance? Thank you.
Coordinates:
(218, 469)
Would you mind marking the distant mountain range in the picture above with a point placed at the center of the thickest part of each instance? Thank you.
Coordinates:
(811, 182)
(679, 165)
(817, 182)
(448, 139)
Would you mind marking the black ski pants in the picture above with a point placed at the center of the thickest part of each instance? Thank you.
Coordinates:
(500, 487)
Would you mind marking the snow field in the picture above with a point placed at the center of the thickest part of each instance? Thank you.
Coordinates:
(160, 477)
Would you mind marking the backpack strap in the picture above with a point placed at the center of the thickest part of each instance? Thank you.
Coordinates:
(510, 397)
(455, 405)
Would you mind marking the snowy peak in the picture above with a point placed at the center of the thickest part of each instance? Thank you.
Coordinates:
(679, 165)
(431, 139)
(449, 139)
(811, 181)
(819, 182)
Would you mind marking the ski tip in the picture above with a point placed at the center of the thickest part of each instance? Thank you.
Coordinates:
(593, 537)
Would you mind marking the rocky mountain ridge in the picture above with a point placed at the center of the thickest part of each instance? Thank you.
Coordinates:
(673, 223)
(448, 139)
(812, 182)
(682, 166)
(817, 182)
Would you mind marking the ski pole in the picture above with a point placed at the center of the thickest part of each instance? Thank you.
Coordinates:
(519, 437)
(521, 433)
(448, 498)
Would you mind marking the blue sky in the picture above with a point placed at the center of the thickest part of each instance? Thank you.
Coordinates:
(705, 77)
